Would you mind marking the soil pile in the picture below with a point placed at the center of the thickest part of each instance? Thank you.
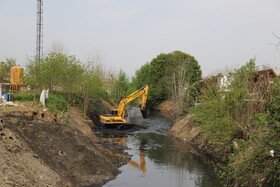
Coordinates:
(76, 120)
(42, 153)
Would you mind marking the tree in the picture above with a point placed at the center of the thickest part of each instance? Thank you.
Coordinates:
(5, 69)
(120, 87)
(57, 72)
(157, 79)
(91, 83)
(170, 76)
(141, 77)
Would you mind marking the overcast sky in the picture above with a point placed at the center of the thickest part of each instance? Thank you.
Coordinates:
(129, 33)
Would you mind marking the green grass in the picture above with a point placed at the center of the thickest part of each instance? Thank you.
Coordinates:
(57, 101)
(27, 96)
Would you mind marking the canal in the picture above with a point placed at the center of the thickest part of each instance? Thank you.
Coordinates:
(160, 160)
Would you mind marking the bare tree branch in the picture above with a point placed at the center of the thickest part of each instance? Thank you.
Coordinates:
(276, 35)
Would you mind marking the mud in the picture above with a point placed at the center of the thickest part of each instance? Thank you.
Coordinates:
(118, 131)
(43, 153)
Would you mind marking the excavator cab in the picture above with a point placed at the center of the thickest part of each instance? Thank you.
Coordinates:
(114, 112)
(117, 116)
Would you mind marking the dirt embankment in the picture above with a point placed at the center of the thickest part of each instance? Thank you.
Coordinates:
(184, 129)
(34, 152)
(168, 110)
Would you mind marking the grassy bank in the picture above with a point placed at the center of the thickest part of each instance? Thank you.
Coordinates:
(57, 101)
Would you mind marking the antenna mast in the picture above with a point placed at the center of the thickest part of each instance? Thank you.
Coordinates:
(39, 42)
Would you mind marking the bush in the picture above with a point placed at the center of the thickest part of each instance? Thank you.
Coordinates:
(244, 125)
(57, 102)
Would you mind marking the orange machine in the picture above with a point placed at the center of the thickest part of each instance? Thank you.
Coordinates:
(16, 78)
(117, 117)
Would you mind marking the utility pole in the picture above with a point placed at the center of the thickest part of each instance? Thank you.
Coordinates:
(39, 42)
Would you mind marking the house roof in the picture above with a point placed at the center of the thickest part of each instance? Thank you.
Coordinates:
(274, 71)
(277, 71)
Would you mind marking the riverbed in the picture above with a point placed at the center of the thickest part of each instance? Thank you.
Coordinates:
(159, 160)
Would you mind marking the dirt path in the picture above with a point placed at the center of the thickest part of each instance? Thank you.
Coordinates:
(42, 153)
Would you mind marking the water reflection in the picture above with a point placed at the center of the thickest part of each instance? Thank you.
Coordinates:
(161, 160)
(118, 140)
(142, 164)
(121, 141)
(158, 160)
(179, 159)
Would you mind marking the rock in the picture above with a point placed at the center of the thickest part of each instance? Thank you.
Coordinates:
(2, 125)
(235, 144)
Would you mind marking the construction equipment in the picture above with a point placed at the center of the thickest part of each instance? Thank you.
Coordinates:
(117, 116)
(16, 78)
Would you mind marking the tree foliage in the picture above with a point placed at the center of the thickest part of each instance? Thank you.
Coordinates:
(243, 125)
(170, 76)
(121, 87)
(224, 115)
(141, 76)
(64, 73)
(5, 69)
(56, 70)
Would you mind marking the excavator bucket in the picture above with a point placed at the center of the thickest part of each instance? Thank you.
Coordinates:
(144, 113)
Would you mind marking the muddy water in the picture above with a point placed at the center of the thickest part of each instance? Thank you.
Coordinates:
(158, 160)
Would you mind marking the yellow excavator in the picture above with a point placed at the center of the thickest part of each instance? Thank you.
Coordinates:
(117, 116)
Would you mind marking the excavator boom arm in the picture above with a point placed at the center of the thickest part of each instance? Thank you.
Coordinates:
(118, 115)
(142, 91)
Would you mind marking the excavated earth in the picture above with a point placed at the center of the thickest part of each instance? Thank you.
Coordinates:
(36, 151)
(184, 128)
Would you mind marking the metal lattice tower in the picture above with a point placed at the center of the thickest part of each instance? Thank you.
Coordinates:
(39, 42)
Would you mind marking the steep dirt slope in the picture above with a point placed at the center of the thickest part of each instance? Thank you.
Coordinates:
(185, 130)
(41, 153)
(20, 166)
